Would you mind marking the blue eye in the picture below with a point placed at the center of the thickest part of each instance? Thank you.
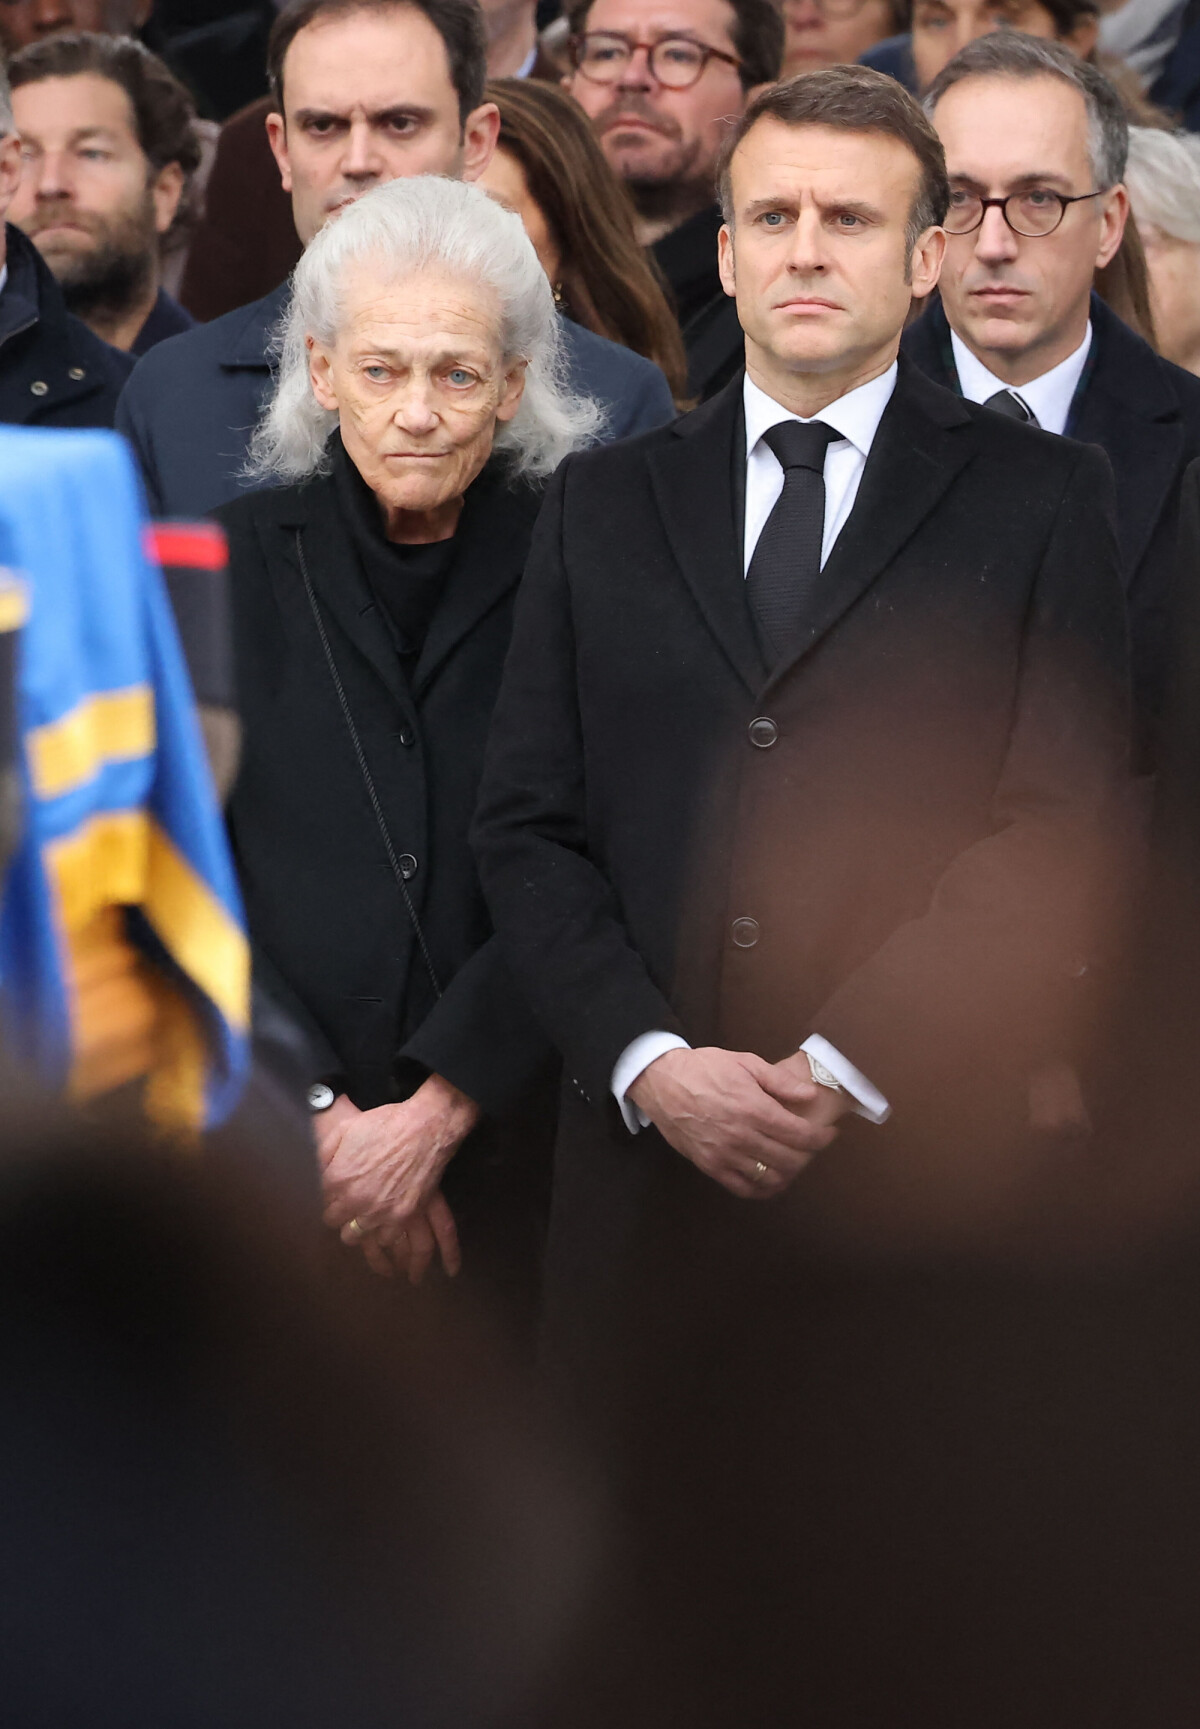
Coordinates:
(377, 374)
(459, 375)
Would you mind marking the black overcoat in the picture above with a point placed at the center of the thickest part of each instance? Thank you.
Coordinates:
(54, 371)
(898, 840)
(333, 941)
(1144, 413)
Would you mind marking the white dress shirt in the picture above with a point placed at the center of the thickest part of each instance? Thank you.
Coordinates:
(856, 417)
(1049, 397)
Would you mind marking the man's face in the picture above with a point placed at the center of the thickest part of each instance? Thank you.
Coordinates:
(418, 382)
(368, 97)
(832, 32)
(653, 136)
(817, 252)
(941, 27)
(26, 21)
(1016, 301)
(88, 196)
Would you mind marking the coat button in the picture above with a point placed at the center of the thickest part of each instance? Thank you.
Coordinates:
(744, 933)
(407, 737)
(39, 387)
(408, 866)
(76, 373)
(763, 732)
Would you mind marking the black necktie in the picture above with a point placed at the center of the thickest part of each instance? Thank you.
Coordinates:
(787, 560)
(1016, 408)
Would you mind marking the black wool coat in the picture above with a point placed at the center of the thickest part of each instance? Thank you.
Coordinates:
(333, 942)
(1144, 413)
(53, 370)
(899, 839)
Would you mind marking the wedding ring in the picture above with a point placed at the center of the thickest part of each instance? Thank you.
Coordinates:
(355, 1229)
(760, 1170)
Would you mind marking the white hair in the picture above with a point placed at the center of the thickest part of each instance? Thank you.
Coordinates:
(405, 226)
(1163, 177)
(7, 123)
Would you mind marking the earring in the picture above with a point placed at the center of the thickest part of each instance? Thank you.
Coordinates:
(560, 299)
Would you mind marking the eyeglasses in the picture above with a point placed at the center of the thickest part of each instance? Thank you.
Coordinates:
(1032, 214)
(676, 62)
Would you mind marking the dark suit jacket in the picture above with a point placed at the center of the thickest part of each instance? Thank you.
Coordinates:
(332, 937)
(907, 861)
(53, 370)
(1145, 414)
(191, 404)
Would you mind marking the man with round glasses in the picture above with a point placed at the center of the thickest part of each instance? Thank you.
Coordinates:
(1035, 143)
(662, 81)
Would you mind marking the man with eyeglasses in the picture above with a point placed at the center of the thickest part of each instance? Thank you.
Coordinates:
(663, 80)
(1035, 142)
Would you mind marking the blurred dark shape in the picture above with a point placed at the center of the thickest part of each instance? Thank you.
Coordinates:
(218, 48)
(236, 1496)
(194, 560)
(245, 242)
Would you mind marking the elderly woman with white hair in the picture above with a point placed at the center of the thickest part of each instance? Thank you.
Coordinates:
(419, 405)
(1163, 177)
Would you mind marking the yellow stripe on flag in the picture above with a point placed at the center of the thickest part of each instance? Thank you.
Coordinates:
(112, 726)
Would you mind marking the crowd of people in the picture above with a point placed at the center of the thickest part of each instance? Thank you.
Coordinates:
(693, 519)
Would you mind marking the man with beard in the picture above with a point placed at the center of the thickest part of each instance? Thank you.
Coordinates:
(663, 83)
(53, 371)
(109, 143)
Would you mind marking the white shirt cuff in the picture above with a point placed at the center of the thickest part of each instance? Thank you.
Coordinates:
(632, 1062)
(869, 1102)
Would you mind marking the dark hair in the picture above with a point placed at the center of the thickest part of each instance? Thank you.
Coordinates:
(608, 283)
(459, 23)
(757, 36)
(164, 117)
(852, 99)
(1009, 54)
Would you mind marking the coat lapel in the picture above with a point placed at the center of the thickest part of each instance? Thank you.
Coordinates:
(916, 454)
(1128, 407)
(691, 474)
(337, 579)
(493, 540)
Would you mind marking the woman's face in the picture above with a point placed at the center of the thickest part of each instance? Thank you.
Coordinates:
(1174, 267)
(504, 178)
(820, 33)
(941, 27)
(418, 382)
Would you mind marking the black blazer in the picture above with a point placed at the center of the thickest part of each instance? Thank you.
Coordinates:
(905, 858)
(333, 942)
(1144, 414)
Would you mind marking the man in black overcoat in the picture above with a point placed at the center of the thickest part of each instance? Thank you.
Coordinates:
(1016, 320)
(796, 820)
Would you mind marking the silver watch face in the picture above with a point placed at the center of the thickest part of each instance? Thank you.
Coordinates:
(320, 1097)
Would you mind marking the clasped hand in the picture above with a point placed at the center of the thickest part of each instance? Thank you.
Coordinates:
(381, 1171)
(750, 1125)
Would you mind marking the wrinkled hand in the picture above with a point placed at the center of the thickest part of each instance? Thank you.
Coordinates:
(411, 1248)
(730, 1112)
(382, 1167)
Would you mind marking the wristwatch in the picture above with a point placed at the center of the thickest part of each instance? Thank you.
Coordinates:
(823, 1077)
(320, 1096)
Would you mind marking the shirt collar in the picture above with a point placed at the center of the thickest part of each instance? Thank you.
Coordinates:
(527, 65)
(855, 416)
(3, 275)
(1049, 396)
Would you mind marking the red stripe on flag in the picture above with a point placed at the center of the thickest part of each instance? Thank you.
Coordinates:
(191, 545)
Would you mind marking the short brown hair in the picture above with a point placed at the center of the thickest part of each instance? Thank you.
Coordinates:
(757, 37)
(459, 23)
(608, 283)
(852, 99)
(163, 115)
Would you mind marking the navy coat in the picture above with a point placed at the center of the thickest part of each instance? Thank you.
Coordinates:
(191, 405)
(53, 370)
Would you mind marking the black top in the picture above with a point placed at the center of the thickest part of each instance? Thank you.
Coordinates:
(405, 581)
(687, 257)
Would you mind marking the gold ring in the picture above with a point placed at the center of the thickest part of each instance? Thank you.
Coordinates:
(760, 1170)
(355, 1228)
